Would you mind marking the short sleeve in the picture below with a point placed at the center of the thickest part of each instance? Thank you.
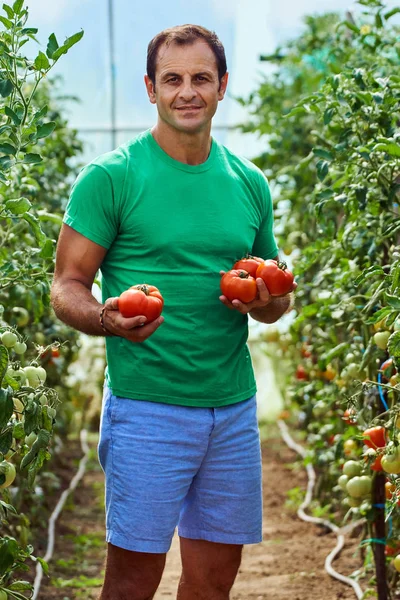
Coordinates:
(265, 245)
(91, 206)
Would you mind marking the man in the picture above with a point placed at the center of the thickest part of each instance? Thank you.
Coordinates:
(179, 439)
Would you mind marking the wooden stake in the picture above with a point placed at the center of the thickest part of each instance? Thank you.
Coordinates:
(379, 498)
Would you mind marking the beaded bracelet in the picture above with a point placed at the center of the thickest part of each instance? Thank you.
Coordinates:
(102, 322)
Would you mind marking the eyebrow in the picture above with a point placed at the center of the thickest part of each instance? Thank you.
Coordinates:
(172, 74)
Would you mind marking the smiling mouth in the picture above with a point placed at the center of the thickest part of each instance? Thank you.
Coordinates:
(188, 108)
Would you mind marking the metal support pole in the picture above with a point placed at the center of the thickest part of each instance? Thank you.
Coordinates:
(113, 76)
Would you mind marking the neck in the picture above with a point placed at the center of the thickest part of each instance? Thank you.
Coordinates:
(188, 148)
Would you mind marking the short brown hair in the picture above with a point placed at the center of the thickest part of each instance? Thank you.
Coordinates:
(183, 35)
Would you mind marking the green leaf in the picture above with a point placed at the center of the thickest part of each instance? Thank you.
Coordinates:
(10, 113)
(3, 362)
(6, 163)
(29, 30)
(45, 565)
(48, 249)
(299, 110)
(41, 62)
(18, 4)
(52, 46)
(8, 149)
(322, 169)
(6, 439)
(328, 115)
(46, 129)
(41, 113)
(391, 148)
(378, 21)
(9, 11)
(32, 159)
(351, 26)
(6, 22)
(69, 42)
(37, 230)
(379, 315)
(20, 585)
(394, 344)
(393, 301)
(391, 13)
(9, 550)
(321, 153)
(374, 270)
(19, 206)
(6, 407)
(6, 87)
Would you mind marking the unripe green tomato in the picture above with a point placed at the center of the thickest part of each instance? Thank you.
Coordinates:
(342, 481)
(32, 376)
(396, 563)
(391, 462)
(9, 339)
(41, 374)
(320, 408)
(7, 469)
(381, 339)
(21, 316)
(43, 399)
(351, 468)
(353, 370)
(20, 348)
(349, 358)
(3, 595)
(353, 502)
(350, 447)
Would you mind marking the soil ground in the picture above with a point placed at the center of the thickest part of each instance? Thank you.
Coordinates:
(288, 564)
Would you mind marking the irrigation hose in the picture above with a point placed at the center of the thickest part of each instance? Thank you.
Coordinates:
(60, 504)
(316, 520)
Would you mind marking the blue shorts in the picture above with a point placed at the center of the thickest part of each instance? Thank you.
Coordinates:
(167, 466)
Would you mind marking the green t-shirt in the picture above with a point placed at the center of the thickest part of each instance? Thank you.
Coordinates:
(176, 226)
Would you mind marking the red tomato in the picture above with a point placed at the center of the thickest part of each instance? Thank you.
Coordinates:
(375, 437)
(141, 299)
(239, 285)
(55, 353)
(276, 277)
(249, 264)
(301, 373)
(350, 416)
(377, 464)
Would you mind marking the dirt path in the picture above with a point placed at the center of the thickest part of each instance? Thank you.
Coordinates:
(288, 564)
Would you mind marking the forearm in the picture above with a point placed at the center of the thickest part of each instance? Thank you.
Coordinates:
(75, 305)
(274, 310)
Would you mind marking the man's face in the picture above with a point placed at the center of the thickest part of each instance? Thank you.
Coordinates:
(187, 89)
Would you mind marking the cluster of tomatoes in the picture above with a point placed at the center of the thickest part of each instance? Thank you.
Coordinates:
(240, 282)
(237, 284)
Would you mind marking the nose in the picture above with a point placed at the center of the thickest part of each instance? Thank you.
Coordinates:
(187, 92)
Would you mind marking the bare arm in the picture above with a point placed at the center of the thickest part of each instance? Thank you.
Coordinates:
(77, 261)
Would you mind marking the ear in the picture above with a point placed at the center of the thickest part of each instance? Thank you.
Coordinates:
(223, 86)
(150, 88)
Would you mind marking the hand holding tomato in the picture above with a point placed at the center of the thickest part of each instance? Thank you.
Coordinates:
(135, 314)
(261, 299)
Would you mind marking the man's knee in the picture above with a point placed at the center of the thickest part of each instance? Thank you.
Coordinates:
(131, 575)
(215, 565)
